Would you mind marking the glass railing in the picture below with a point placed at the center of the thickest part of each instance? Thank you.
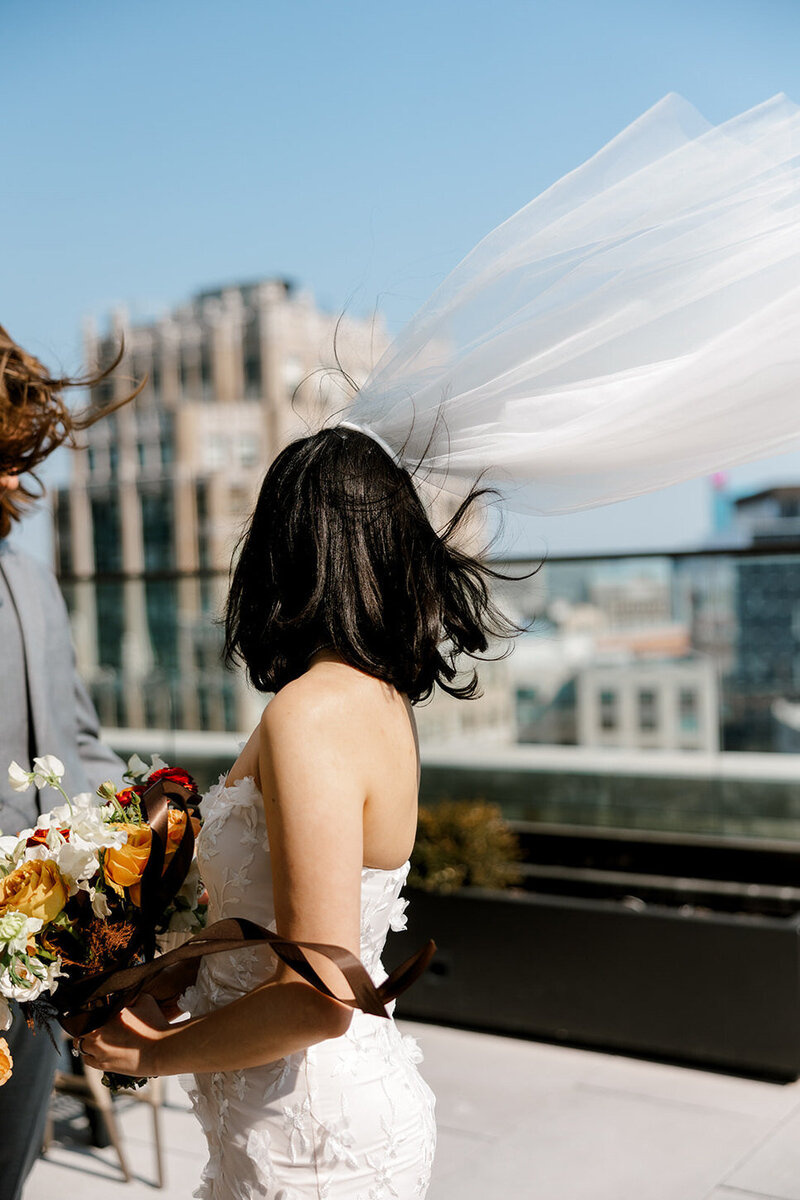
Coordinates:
(655, 692)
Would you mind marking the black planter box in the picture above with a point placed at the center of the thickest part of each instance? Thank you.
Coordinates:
(721, 989)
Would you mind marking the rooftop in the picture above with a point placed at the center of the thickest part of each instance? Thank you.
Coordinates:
(519, 1119)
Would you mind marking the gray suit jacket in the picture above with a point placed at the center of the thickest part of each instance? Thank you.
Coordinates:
(63, 717)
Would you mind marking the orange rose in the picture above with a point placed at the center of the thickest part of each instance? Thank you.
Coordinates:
(175, 827)
(6, 1062)
(34, 888)
(124, 868)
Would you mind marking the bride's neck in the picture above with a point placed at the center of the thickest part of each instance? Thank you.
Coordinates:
(325, 654)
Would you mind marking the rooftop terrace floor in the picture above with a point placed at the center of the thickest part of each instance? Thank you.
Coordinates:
(518, 1119)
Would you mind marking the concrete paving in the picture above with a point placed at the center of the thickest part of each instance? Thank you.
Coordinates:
(516, 1119)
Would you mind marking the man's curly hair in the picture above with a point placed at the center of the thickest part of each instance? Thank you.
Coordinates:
(35, 420)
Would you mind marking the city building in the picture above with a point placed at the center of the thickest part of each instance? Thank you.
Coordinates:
(649, 704)
(771, 515)
(146, 527)
(766, 591)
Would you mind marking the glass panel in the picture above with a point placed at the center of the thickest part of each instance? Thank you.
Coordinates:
(627, 703)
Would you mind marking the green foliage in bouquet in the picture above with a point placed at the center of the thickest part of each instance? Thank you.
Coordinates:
(464, 843)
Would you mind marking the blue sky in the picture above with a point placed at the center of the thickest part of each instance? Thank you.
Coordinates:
(362, 149)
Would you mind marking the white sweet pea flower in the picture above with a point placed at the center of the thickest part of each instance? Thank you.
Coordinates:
(84, 818)
(12, 849)
(5, 1015)
(18, 778)
(137, 766)
(54, 973)
(77, 864)
(47, 769)
(156, 764)
(99, 904)
(97, 899)
(75, 835)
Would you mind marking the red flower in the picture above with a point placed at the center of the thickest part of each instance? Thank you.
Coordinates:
(172, 775)
(39, 837)
(127, 795)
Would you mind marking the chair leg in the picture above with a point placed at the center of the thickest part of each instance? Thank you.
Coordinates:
(97, 1129)
(103, 1100)
(157, 1143)
(47, 1136)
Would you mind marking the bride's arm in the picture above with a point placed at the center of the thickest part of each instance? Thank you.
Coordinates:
(311, 778)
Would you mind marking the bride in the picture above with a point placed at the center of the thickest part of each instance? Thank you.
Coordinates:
(635, 325)
(347, 604)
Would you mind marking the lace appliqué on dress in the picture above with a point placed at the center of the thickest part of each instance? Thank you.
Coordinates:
(348, 1119)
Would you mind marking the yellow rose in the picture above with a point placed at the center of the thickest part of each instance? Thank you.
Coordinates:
(6, 1062)
(123, 868)
(34, 888)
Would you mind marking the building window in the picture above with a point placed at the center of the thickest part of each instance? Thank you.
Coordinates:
(292, 373)
(107, 531)
(157, 529)
(166, 431)
(110, 608)
(206, 373)
(688, 714)
(190, 371)
(609, 717)
(648, 709)
(252, 377)
(203, 541)
(247, 451)
(215, 453)
(141, 452)
(63, 532)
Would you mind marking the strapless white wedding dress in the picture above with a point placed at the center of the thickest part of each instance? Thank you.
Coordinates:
(348, 1119)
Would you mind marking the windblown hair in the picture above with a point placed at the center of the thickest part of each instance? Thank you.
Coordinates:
(35, 419)
(341, 553)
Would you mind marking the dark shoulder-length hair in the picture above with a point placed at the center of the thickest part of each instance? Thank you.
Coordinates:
(341, 553)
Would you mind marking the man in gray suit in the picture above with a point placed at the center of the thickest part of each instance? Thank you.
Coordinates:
(45, 709)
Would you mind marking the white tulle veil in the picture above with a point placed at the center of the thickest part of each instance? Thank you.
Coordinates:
(635, 325)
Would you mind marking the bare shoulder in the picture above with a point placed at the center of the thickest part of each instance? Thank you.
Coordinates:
(334, 700)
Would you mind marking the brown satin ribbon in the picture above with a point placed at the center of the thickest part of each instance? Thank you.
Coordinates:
(98, 998)
(85, 1004)
(158, 887)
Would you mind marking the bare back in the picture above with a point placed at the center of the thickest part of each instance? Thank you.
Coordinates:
(382, 750)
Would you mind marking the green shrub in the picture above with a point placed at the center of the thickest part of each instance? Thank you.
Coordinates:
(464, 843)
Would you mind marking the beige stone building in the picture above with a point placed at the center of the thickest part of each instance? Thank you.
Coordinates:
(146, 528)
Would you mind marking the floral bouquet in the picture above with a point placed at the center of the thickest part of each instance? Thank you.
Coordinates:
(90, 889)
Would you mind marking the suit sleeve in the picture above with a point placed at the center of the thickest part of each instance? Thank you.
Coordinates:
(99, 761)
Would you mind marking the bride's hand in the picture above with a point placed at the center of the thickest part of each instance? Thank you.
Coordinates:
(127, 1044)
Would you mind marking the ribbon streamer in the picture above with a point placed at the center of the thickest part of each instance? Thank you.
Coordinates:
(99, 997)
(86, 1003)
